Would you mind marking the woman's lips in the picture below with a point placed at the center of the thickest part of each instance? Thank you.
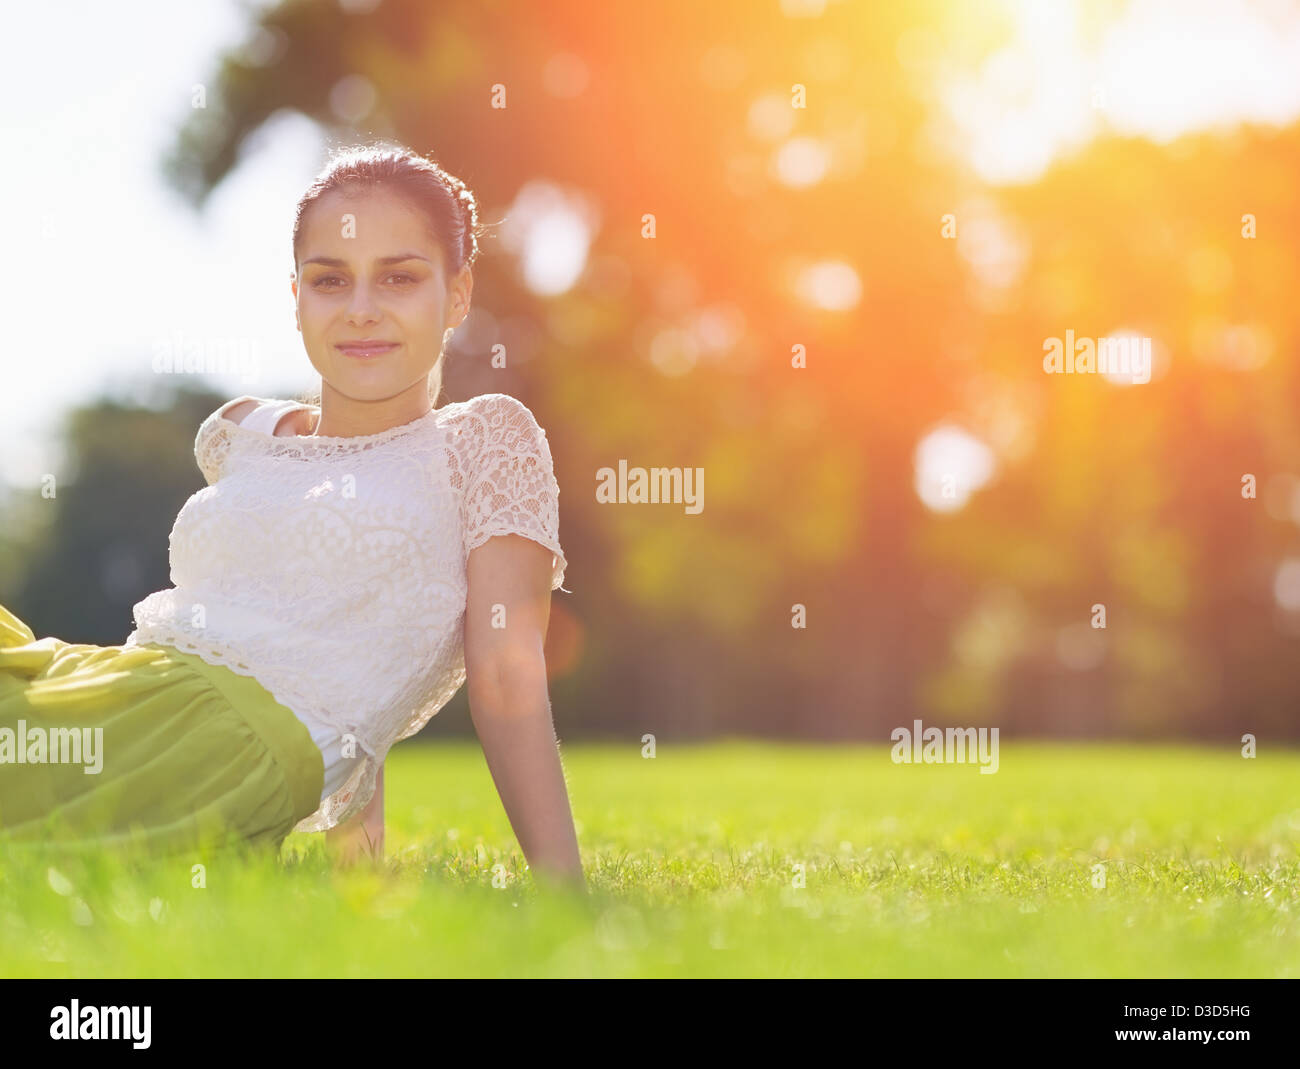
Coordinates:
(377, 349)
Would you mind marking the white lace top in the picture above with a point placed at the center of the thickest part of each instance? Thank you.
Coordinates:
(333, 570)
(339, 754)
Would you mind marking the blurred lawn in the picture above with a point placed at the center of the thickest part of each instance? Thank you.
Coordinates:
(926, 870)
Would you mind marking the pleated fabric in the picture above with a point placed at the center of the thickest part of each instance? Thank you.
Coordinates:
(180, 755)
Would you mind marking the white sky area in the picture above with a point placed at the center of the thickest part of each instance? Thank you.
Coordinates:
(106, 264)
(103, 259)
(1164, 68)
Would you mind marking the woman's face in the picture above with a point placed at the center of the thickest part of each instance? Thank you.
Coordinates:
(368, 271)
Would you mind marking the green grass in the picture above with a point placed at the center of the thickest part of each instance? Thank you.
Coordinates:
(920, 870)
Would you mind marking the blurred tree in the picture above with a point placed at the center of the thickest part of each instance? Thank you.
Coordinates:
(100, 543)
(1131, 495)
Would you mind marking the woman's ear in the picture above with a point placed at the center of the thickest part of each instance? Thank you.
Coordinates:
(461, 290)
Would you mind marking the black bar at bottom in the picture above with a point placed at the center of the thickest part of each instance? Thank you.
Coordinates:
(379, 1018)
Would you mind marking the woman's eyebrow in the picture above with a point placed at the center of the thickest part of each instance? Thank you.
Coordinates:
(383, 261)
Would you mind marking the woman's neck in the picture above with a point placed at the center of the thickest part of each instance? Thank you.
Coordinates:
(345, 417)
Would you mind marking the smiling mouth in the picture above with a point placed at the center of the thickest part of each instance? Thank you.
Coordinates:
(364, 351)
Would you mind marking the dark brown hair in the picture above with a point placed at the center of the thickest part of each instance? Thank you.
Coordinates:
(445, 200)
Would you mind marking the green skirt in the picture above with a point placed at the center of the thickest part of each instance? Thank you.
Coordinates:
(143, 748)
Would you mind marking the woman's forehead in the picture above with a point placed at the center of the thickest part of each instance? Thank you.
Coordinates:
(367, 227)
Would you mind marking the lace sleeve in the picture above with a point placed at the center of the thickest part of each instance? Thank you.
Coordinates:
(212, 442)
(512, 487)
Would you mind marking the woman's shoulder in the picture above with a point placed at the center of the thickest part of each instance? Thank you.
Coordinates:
(238, 409)
(212, 441)
(493, 423)
(491, 415)
(264, 414)
(489, 406)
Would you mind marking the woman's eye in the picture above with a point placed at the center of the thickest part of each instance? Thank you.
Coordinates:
(401, 275)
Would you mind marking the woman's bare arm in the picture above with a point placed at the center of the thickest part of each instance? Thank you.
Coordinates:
(507, 612)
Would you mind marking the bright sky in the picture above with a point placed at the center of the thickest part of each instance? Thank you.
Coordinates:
(107, 264)
(1166, 67)
(104, 261)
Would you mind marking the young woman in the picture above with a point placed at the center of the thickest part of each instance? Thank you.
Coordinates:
(350, 564)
